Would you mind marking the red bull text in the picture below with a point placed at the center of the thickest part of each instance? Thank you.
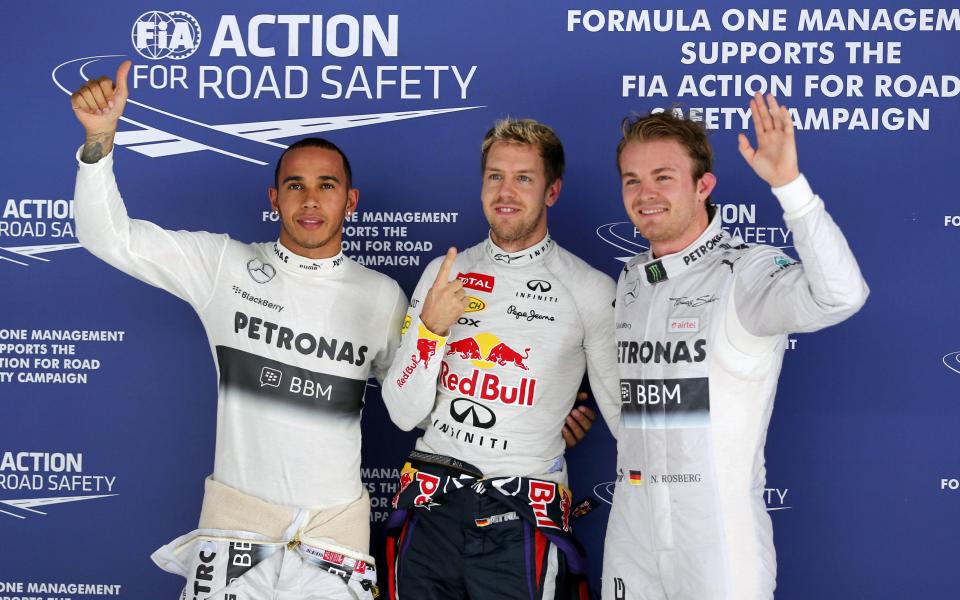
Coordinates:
(488, 387)
(540, 495)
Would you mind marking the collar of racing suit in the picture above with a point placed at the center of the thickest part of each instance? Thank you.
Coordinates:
(291, 262)
(520, 258)
(661, 269)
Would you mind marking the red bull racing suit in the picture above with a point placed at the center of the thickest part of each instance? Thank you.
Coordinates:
(493, 395)
(701, 335)
(294, 341)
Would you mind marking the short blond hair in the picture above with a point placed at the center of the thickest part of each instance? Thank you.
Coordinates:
(530, 133)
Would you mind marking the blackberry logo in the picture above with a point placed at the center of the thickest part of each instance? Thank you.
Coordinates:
(157, 35)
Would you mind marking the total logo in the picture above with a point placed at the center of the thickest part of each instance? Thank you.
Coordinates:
(477, 281)
(738, 220)
(157, 35)
(952, 362)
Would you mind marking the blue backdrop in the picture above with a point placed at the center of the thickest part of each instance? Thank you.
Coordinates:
(107, 389)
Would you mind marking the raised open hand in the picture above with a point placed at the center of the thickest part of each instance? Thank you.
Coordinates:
(775, 157)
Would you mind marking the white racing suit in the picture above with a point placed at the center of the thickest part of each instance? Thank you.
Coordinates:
(293, 558)
(294, 341)
(495, 394)
(701, 335)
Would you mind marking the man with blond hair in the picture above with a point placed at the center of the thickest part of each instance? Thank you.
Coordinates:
(496, 343)
(701, 327)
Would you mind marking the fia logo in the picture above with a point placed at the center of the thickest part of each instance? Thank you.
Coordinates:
(157, 35)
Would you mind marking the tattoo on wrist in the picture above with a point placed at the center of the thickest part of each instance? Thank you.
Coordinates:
(93, 149)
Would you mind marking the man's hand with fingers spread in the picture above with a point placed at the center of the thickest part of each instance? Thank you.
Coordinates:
(98, 105)
(775, 157)
(446, 301)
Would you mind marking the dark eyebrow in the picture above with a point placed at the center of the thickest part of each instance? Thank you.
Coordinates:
(320, 177)
(655, 171)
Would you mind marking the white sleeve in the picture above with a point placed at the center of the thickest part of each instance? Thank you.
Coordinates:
(410, 387)
(394, 321)
(183, 263)
(775, 294)
(600, 347)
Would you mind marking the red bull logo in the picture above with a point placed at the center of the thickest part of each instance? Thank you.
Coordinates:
(406, 478)
(488, 387)
(477, 281)
(565, 502)
(503, 354)
(425, 350)
(541, 494)
(429, 484)
(486, 350)
(467, 348)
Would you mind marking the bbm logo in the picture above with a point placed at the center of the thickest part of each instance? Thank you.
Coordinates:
(270, 377)
(174, 35)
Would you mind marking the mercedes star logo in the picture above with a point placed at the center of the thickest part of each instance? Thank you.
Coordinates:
(261, 272)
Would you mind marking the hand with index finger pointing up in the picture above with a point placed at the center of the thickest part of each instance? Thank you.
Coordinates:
(446, 301)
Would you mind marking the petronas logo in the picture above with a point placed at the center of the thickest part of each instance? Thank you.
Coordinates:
(655, 272)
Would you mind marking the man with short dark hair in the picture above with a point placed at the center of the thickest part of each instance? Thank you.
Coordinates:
(497, 341)
(701, 327)
(295, 328)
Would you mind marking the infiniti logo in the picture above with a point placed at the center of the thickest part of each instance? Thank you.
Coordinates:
(261, 272)
(539, 285)
(479, 415)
